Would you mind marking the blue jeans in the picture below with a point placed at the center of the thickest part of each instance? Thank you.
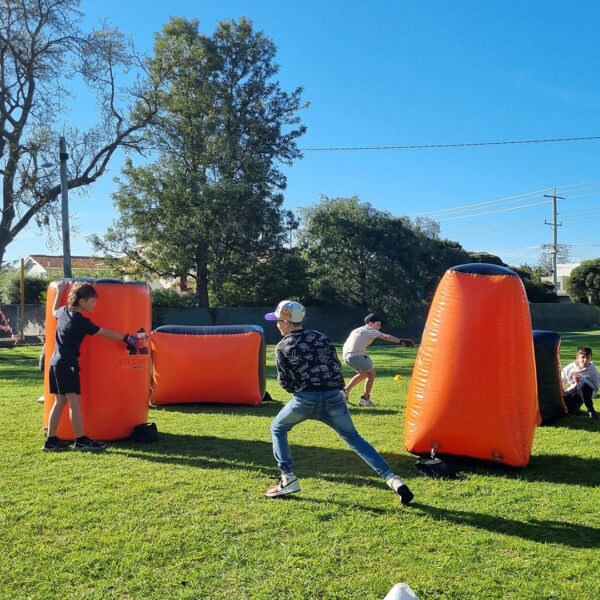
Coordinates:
(329, 408)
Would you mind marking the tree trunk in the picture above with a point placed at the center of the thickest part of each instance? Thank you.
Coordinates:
(201, 278)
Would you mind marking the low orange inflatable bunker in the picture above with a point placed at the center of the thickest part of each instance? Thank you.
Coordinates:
(115, 384)
(223, 364)
(473, 390)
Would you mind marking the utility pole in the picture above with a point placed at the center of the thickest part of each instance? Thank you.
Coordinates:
(555, 227)
(64, 195)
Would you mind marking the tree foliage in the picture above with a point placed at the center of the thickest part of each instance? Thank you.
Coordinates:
(210, 206)
(583, 285)
(283, 275)
(358, 255)
(10, 288)
(41, 49)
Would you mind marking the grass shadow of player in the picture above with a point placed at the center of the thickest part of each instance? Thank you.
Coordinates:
(209, 452)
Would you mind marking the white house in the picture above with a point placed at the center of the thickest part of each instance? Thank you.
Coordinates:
(563, 271)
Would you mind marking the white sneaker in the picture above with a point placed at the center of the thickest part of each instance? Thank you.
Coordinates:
(366, 401)
(286, 484)
(404, 493)
(345, 396)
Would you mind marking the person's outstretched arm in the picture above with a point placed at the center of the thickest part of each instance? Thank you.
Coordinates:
(128, 340)
(60, 288)
(392, 338)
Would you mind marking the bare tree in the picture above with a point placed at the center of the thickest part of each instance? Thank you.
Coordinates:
(545, 261)
(42, 48)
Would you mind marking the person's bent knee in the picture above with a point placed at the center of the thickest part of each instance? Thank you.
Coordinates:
(371, 374)
(278, 427)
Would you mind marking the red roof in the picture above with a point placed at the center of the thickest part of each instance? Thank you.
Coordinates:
(78, 262)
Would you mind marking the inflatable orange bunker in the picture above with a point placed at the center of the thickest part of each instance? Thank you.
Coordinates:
(473, 390)
(115, 384)
(223, 364)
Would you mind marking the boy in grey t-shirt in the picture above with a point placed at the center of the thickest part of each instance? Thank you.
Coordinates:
(355, 356)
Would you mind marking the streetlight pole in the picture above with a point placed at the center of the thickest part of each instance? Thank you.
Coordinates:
(64, 194)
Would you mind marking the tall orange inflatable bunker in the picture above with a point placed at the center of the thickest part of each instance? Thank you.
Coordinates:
(224, 364)
(473, 390)
(115, 384)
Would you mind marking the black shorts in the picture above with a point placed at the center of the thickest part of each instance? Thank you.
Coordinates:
(64, 380)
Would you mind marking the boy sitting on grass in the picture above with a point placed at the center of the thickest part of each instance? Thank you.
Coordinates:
(581, 381)
(64, 381)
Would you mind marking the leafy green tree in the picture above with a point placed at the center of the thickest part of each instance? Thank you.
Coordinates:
(41, 48)
(361, 256)
(10, 288)
(583, 284)
(210, 206)
(486, 257)
(283, 275)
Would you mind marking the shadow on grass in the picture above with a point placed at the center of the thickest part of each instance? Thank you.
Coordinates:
(24, 375)
(207, 452)
(266, 409)
(341, 504)
(552, 468)
(579, 422)
(545, 532)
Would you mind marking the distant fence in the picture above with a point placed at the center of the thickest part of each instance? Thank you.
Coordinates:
(336, 323)
(564, 317)
(33, 322)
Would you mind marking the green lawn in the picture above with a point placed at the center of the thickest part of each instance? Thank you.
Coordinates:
(187, 517)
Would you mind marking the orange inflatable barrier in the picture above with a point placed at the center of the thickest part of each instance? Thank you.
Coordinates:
(223, 364)
(115, 385)
(473, 390)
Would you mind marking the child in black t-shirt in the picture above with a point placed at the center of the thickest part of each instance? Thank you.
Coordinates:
(71, 329)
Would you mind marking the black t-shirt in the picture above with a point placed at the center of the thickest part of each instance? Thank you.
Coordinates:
(72, 327)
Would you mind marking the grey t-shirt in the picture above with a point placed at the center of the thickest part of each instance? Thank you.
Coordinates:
(358, 340)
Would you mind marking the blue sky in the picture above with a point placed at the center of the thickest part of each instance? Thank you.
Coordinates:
(402, 73)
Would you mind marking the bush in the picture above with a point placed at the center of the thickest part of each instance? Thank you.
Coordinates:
(172, 299)
(10, 288)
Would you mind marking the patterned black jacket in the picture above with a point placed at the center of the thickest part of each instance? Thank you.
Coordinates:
(307, 362)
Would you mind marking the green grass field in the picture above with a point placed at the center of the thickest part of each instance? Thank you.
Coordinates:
(187, 517)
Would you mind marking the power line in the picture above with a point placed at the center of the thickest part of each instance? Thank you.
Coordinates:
(491, 212)
(463, 145)
(477, 205)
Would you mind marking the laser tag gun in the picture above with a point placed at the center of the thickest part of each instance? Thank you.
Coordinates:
(406, 342)
(131, 343)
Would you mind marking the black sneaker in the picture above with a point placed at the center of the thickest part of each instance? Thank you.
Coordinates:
(55, 444)
(593, 414)
(85, 444)
(404, 494)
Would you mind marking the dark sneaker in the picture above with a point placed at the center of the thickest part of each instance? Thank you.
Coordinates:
(593, 414)
(366, 401)
(84, 444)
(286, 484)
(55, 445)
(404, 493)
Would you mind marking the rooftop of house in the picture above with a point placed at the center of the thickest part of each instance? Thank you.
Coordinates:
(56, 262)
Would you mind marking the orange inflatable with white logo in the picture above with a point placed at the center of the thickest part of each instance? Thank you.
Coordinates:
(473, 390)
(115, 382)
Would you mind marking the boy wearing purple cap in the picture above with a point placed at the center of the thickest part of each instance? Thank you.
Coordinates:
(308, 367)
